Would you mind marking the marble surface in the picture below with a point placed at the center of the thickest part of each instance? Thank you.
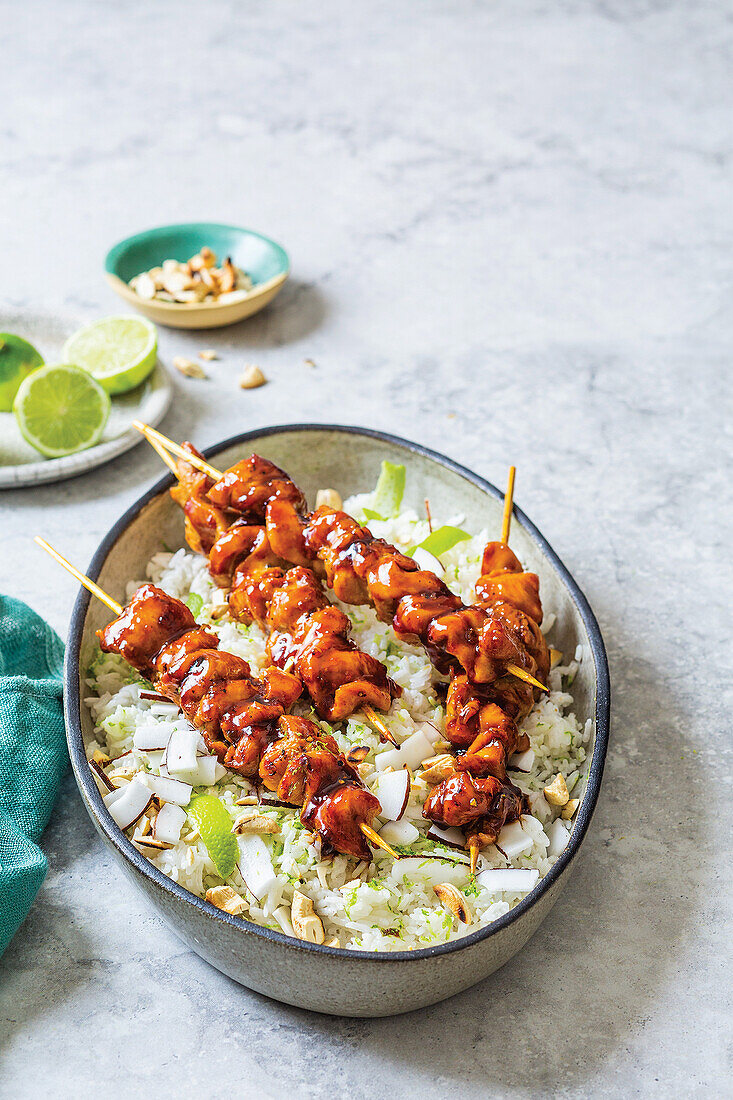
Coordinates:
(510, 227)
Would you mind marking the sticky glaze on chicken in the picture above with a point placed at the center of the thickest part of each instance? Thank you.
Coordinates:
(475, 644)
(304, 767)
(236, 713)
(204, 521)
(305, 629)
(465, 800)
(363, 569)
(240, 717)
(250, 485)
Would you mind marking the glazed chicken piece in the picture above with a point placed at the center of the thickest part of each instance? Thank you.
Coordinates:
(475, 722)
(464, 800)
(241, 717)
(475, 644)
(150, 620)
(158, 635)
(306, 768)
(503, 580)
(204, 522)
(305, 627)
(242, 541)
(248, 487)
(336, 815)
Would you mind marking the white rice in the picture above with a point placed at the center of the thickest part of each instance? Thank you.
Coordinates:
(386, 905)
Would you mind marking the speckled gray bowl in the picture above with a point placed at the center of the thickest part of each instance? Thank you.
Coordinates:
(348, 983)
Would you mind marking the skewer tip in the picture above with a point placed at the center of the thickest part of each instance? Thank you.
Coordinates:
(378, 724)
(528, 678)
(506, 522)
(473, 848)
(85, 581)
(373, 836)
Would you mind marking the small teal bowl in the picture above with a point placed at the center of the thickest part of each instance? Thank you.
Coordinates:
(264, 261)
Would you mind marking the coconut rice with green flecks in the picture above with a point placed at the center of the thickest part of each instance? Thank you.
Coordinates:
(385, 905)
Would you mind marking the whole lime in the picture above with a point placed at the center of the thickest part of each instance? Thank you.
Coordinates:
(18, 359)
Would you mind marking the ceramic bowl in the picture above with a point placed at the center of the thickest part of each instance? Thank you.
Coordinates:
(265, 261)
(332, 980)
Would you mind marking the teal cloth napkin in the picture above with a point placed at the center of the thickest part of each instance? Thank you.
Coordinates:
(33, 755)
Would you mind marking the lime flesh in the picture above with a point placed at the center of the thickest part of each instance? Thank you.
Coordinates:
(61, 410)
(215, 826)
(18, 359)
(120, 352)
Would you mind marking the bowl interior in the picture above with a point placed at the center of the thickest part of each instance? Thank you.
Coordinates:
(349, 461)
(260, 257)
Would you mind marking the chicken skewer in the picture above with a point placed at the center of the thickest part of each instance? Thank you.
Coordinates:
(318, 542)
(368, 710)
(479, 789)
(305, 630)
(158, 635)
(502, 582)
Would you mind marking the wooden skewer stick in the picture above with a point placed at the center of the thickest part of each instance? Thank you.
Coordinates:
(83, 580)
(508, 505)
(159, 442)
(378, 724)
(474, 849)
(89, 584)
(194, 460)
(376, 839)
(429, 516)
(506, 524)
(162, 453)
(520, 674)
(153, 436)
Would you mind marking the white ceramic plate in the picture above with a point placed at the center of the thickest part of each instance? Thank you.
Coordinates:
(20, 464)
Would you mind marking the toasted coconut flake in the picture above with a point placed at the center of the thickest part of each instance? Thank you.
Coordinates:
(556, 792)
(226, 899)
(151, 842)
(555, 658)
(569, 808)
(100, 758)
(228, 277)
(357, 754)
(208, 354)
(247, 800)
(453, 900)
(104, 782)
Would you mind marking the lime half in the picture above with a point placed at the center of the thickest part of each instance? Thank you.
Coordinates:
(61, 410)
(215, 826)
(18, 359)
(120, 352)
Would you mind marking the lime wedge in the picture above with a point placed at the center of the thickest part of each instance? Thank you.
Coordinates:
(61, 410)
(120, 352)
(215, 826)
(17, 359)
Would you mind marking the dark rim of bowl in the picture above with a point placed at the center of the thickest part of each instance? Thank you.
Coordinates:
(141, 864)
(117, 250)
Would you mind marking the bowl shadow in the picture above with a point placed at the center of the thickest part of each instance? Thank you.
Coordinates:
(297, 311)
